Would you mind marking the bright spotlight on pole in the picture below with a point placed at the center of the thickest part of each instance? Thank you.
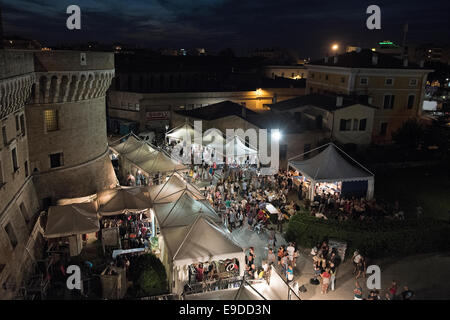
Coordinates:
(276, 134)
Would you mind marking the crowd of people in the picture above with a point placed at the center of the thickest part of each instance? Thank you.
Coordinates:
(392, 293)
(325, 263)
(134, 231)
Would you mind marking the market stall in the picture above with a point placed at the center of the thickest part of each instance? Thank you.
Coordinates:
(71, 222)
(188, 245)
(332, 171)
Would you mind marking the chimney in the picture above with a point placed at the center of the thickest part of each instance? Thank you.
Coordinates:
(422, 62)
(335, 59)
(374, 59)
(405, 62)
(339, 101)
(325, 59)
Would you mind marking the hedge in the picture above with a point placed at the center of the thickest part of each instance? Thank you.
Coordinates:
(373, 239)
(148, 275)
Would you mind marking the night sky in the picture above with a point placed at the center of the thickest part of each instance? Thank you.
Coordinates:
(307, 26)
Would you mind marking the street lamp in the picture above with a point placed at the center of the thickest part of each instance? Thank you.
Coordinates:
(276, 134)
(335, 47)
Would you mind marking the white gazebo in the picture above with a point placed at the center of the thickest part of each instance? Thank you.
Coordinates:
(330, 166)
(201, 241)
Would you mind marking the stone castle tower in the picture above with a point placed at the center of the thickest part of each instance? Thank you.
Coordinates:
(53, 145)
(66, 122)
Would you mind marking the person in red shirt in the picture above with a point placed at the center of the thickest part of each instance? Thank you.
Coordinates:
(325, 280)
(393, 290)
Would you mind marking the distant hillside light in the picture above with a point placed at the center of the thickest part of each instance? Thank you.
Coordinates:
(334, 47)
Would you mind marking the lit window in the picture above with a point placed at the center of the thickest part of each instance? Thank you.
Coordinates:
(51, 120)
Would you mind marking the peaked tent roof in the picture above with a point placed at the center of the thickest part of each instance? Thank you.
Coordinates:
(196, 244)
(130, 144)
(181, 132)
(73, 219)
(329, 165)
(183, 212)
(160, 163)
(143, 153)
(173, 189)
(149, 158)
(238, 147)
(213, 138)
(119, 200)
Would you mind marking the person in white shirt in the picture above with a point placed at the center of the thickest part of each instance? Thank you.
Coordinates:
(290, 250)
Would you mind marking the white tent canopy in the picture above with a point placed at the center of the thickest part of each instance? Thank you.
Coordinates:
(183, 212)
(330, 166)
(239, 152)
(181, 133)
(123, 199)
(130, 144)
(201, 241)
(173, 189)
(213, 146)
(73, 219)
(145, 156)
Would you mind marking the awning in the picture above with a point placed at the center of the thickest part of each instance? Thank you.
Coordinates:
(123, 199)
(173, 189)
(330, 166)
(73, 219)
(183, 212)
(202, 241)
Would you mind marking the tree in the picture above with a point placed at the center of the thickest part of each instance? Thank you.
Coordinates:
(148, 275)
(409, 135)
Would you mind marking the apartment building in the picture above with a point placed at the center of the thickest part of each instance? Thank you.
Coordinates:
(394, 86)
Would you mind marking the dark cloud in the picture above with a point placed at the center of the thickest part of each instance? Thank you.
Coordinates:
(308, 26)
